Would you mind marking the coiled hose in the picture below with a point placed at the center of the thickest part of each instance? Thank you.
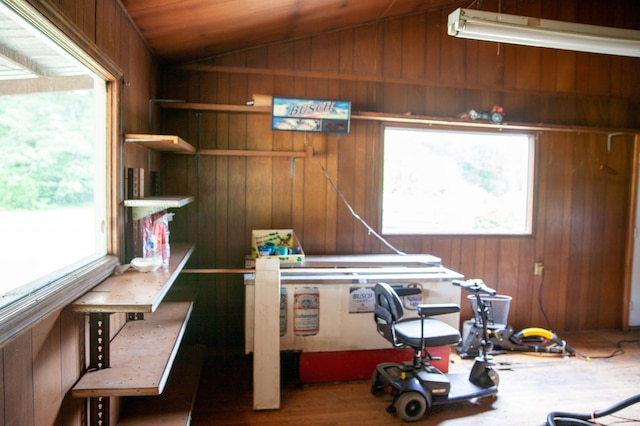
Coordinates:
(559, 418)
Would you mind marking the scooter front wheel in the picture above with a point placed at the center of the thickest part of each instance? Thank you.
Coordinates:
(411, 406)
(494, 376)
(376, 387)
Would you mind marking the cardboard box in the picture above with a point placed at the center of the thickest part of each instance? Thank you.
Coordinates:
(277, 238)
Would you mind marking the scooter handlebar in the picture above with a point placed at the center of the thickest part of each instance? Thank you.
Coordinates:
(475, 286)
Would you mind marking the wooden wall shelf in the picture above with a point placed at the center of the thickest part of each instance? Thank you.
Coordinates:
(215, 107)
(160, 142)
(479, 124)
(134, 291)
(149, 205)
(174, 406)
(404, 118)
(143, 354)
(140, 357)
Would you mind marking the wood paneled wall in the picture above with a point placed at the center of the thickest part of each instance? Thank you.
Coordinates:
(39, 367)
(582, 189)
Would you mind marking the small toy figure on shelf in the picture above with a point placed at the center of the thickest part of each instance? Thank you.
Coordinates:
(495, 116)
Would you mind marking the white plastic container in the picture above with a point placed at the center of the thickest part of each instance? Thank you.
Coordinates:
(146, 264)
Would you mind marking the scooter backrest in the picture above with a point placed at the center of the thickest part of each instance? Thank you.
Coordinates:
(388, 303)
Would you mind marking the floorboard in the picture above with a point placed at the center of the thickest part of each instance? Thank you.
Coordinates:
(531, 386)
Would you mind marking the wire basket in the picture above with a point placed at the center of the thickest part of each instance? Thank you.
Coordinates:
(497, 310)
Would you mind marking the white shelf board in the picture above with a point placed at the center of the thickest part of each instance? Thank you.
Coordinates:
(149, 205)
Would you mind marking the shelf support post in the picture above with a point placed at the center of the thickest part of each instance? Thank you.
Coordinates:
(99, 344)
(99, 411)
(99, 336)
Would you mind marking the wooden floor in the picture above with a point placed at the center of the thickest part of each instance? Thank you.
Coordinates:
(531, 386)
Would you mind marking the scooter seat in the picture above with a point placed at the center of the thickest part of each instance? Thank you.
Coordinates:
(418, 333)
(434, 332)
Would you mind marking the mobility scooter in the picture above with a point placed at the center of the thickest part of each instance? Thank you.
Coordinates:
(416, 385)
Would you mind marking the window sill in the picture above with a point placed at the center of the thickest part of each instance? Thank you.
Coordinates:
(26, 312)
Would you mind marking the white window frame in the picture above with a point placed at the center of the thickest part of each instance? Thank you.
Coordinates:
(446, 204)
(25, 312)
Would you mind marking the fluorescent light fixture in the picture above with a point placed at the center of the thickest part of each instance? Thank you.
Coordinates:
(513, 29)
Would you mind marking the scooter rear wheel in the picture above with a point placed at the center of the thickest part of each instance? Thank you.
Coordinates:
(411, 406)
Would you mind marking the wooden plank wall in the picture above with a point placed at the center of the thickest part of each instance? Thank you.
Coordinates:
(582, 190)
(39, 367)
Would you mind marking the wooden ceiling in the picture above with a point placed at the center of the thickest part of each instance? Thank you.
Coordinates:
(180, 31)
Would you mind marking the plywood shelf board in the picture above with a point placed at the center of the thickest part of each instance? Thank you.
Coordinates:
(215, 107)
(174, 406)
(142, 355)
(160, 142)
(134, 291)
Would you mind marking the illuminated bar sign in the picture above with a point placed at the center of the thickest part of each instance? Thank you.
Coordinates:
(310, 115)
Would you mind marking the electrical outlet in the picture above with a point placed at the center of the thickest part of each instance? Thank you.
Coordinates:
(538, 267)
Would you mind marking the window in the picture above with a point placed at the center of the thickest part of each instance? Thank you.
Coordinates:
(53, 159)
(454, 182)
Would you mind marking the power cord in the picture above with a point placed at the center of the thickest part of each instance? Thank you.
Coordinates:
(353, 212)
(616, 352)
(544, 314)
